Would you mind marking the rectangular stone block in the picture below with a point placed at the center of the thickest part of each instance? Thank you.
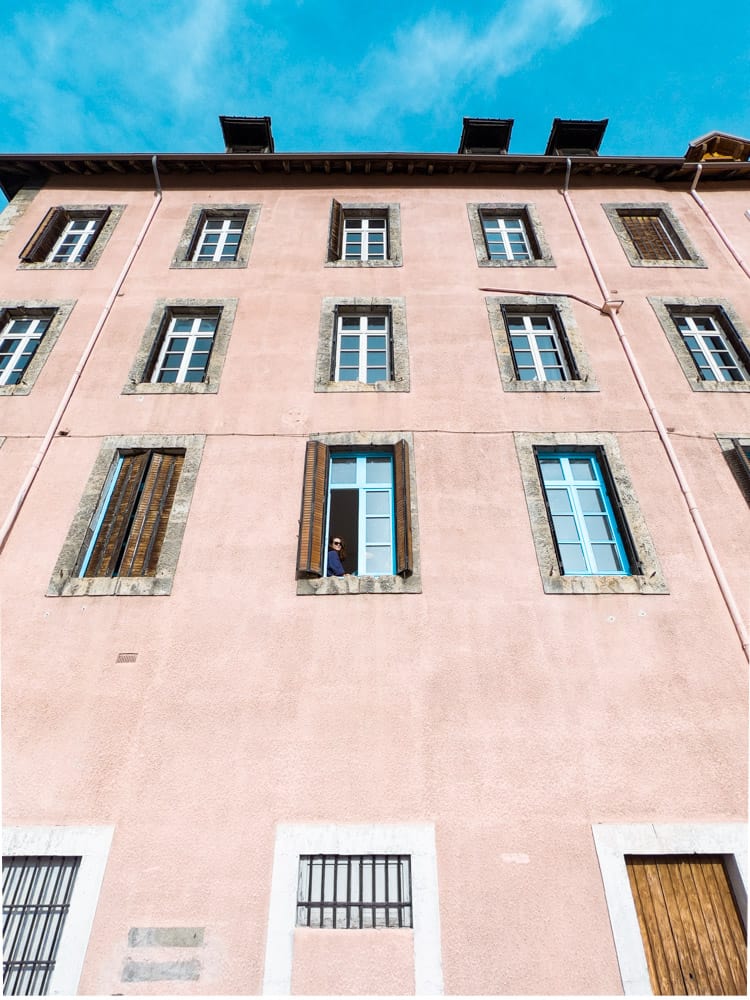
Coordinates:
(165, 937)
(151, 972)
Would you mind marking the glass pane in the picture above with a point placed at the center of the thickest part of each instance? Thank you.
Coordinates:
(172, 360)
(565, 527)
(194, 375)
(343, 470)
(573, 559)
(551, 470)
(379, 470)
(349, 343)
(554, 375)
(350, 322)
(182, 325)
(378, 560)
(591, 501)
(203, 344)
(582, 470)
(170, 375)
(524, 359)
(550, 359)
(597, 526)
(376, 358)
(378, 530)
(607, 559)
(377, 502)
(349, 375)
(375, 375)
(376, 342)
(559, 501)
(520, 343)
(207, 324)
(527, 375)
(376, 323)
(350, 359)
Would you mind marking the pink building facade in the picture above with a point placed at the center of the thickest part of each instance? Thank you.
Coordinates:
(519, 388)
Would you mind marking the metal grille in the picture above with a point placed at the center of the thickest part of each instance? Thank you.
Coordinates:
(36, 900)
(653, 237)
(354, 890)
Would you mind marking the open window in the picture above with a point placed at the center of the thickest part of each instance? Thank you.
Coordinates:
(360, 491)
(364, 235)
(71, 236)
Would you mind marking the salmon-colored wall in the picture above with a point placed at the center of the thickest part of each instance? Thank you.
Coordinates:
(510, 718)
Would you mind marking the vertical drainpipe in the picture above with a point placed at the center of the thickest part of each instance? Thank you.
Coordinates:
(67, 395)
(610, 308)
(707, 212)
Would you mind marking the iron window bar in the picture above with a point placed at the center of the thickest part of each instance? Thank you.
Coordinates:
(354, 891)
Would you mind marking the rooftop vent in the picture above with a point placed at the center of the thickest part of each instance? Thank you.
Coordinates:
(486, 136)
(574, 137)
(718, 146)
(247, 135)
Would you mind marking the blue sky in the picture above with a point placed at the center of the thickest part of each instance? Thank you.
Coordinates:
(145, 76)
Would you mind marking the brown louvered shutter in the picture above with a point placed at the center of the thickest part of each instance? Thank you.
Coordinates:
(653, 238)
(690, 924)
(311, 546)
(99, 226)
(149, 524)
(402, 508)
(47, 233)
(334, 231)
(111, 537)
(743, 458)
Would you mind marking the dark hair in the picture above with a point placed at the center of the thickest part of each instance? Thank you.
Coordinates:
(342, 553)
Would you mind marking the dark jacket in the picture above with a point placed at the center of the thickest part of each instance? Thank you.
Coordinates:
(335, 566)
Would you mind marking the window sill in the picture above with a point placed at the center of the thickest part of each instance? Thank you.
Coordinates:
(121, 586)
(159, 388)
(326, 585)
(364, 263)
(555, 583)
(391, 385)
(536, 262)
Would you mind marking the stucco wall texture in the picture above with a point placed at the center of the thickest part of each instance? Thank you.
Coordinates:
(509, 718)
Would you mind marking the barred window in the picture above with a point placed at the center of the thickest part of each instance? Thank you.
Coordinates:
(354, 890)
(653, 236)
(36, 900)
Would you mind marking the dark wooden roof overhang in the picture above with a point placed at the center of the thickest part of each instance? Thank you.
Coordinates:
(16, 171)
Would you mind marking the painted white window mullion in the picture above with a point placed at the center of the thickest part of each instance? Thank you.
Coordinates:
(24, 340)
(74, 240)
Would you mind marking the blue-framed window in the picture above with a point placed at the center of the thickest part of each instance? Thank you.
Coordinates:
(360, 508)
(581, 512)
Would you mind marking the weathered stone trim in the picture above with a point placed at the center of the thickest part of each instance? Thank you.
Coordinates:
(719, 309)
(16, 208)
(59, 312)
(364, 210)
(92, 258)
(250, 213)
(65, 584)
(412, 584)
(325, 360)
(164, 309)
(541, 253)
(567, 329)
(649, 579)
(166, 937)
(657, 208)
(154, 972)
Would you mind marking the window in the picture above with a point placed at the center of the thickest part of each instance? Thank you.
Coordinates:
(36, 900)
(709, 340)
(736, 451)
(398, 845)
(28, 332)
(676, 895)
(652, 236)
(711, 348)
(587, 528)
(364, 235)
(217, 236)
(354, 890)
(692, 930)
(183, 348)
(126, 536)
(538, 346)
(508, 235)
(359, 487)
(70, 237)
(362, 346)
(52, 878)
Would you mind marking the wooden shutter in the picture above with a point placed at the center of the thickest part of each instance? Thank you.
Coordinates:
(312, 521)
(653, 238)
(690, 924)
(111, 538)
(402, 508)
(47, 233)
(743, 457)
(149, 524)
(335, 231)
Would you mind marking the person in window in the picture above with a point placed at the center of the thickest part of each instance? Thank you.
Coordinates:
(336, 555)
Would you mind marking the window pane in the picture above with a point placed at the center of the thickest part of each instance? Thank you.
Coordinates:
(591, 501)
(607, 559)
(378, 561)
(349, 342)
(379, 470)
(565, 528)
(343, 470)
(573, 559)
(582, 470)
(378, 530)
(598, 528)
(559, 501)
(551, 470)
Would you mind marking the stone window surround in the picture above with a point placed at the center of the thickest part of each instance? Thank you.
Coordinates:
(91, 844)
(567, 330)
(65, 584)
(294, 839)
(666, 306)
(190, 234)
(613, 210)
(58, 312)
(649, 580)
(412, 584)
(325, 360)
(613, 841)
(727, 444)
(92, 257)
(368, 210)
(542, 255)
(164, 309)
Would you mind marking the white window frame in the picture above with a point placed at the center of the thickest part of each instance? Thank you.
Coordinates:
(80, 241)
(613, 841)
(91, 844)
(187, 355)
(532, 335)
(361, 224)
(503, 232)
(24, 339)
(295, 839)
(708, 352)
(226, 229)
(364, 332)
